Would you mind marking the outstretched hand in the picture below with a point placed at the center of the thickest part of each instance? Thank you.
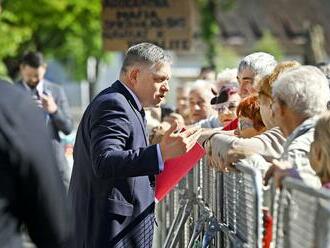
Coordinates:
(278, 171)
(175, 143)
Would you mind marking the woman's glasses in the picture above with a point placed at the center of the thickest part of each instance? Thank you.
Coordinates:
(226, 106)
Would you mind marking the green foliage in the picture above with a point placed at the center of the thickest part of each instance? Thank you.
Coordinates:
(216, 55)
(209, 29)
(269, 44)
(68, 30)
(226, 4)
(228, 58)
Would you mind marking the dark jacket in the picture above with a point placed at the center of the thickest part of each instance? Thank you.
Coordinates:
(59, 121)
(31, 191)
(113, 200)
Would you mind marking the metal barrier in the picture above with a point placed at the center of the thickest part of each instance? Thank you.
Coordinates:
(323, 224)
(302, 212)
(213, 209)
(242, 222)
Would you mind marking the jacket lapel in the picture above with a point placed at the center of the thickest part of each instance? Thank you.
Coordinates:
(121, 89)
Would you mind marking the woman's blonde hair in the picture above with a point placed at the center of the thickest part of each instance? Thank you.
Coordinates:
(265, 84)
(322, 137)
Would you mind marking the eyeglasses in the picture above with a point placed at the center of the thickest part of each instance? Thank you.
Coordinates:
(244, 124)
(226, 106)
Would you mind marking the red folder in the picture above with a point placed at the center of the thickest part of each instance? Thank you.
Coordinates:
(175, 169)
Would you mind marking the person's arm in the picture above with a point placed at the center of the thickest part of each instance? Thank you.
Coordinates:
(220, 144)
(112, 158)
(110, 131)
(45, 211)
(268, 144)
(62, 118)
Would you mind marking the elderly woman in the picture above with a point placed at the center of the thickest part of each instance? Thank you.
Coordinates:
(200, 96)
(299, 96)
(226, 104)
(269, 144)
(250, 123)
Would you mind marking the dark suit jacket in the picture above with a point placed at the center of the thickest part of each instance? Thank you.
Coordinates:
(31, 191)
(59, 121)
(110, 184)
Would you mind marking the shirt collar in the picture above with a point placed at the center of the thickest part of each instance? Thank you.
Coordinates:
(136, 99)
(40, 86)
(301, 129)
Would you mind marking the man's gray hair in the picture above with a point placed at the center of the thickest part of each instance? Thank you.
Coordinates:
(260, 63)
(304, 90)
(144, 53)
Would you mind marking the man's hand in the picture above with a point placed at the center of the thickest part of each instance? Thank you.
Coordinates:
(278, 171)
(233, 155)
(157, 133)
(48, 103)
(175, 143)
(206, 133)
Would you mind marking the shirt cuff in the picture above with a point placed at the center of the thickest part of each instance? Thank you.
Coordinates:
(160, 159)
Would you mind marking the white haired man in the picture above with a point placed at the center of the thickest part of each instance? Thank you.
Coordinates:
(254, 65)
(299, 96)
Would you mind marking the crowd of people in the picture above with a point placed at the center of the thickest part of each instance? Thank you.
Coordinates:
(273, 114)
(276, 111)
(268, 108)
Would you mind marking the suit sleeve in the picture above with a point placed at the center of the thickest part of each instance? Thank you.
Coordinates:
(110, 133)
(61, 118)
(44, 207)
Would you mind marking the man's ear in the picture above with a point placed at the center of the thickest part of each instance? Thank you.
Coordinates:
(133, 75)
(283, 109)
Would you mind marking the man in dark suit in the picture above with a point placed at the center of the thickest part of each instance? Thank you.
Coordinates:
(31, 191)
(52, 101)
(112, 184)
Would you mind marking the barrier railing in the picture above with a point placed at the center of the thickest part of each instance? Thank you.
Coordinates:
(301, 213)
(323, 225)
(212, 208)
(242, 222)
